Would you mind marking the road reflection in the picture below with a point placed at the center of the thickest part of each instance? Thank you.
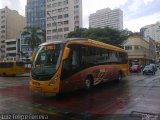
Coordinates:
(101, 100)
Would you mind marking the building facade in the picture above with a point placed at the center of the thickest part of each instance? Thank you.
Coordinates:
(158, 51)
(140, 51)
(152, 31)
(107, 18)
(63, 16)
(35, 13)
(11, 25)
(12, 48)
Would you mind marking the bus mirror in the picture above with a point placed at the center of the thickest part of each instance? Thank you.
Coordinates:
(66, 53)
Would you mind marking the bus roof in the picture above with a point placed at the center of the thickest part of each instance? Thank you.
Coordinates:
(86, 41)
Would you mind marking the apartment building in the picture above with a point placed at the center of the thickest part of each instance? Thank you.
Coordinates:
(12, 47)
(152, 31)
(140, 50)
(62, 17)
(11, 25)
(35, 13)
(107, 18)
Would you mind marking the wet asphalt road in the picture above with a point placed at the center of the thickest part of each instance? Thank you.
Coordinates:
(136, 97)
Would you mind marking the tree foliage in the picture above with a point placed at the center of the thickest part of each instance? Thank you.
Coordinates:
(106, 35)
(33, 38)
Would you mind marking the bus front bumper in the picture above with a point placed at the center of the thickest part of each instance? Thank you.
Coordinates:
(43, 89)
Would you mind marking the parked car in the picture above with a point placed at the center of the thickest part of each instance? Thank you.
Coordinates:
(153, 66)
(135, 68)
(148, 70)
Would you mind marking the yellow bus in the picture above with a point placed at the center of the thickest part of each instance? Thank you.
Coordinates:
(11, 68)
(63, 66)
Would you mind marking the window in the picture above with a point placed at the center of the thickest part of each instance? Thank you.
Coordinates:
(49, 19)
(3, 31)
(3, 26)
(59, 29)
(49, 37)
(2, 12)
(2, 17)
(54, 11)
(76, 1)
(11, 48)
(66, 29)
(66, 15)
(76, 17)
(48, 31)
(49, 25)
(49, 6)
(54, 5)
(54, 24)
(59, 16)
(59, 3)
(136, 47)
(65, 9)
(60, 10)
(65, 2)
(11, 43)
(128, 47)
(60, 23)
(77, 6)
(66, 22)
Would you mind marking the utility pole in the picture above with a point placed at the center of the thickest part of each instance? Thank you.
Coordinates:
(54, 23)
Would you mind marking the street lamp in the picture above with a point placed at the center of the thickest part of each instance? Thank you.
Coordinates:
(54, 23)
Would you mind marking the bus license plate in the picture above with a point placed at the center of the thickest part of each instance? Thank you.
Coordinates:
(38, 89)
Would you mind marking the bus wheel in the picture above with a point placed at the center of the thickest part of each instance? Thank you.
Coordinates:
(88, 83)
(4, 74)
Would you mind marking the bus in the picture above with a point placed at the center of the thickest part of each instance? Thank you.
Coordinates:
(62, 66)
(11, 68)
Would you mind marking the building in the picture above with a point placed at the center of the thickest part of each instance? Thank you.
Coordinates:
(140, 51)
(11, 24)
(35, 13)
(107, 18)
(12, 48)
(63, 16)
(158, 51)
(152, 31)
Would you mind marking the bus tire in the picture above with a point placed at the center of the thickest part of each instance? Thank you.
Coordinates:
(88, 83)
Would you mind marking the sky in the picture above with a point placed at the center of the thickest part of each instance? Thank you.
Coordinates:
(136, 13)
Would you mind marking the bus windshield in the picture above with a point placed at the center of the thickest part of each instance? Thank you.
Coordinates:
(47, 61)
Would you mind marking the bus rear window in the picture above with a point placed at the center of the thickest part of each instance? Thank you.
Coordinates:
(6, 65)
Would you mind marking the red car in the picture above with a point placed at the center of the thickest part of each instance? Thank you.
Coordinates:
(135, 68)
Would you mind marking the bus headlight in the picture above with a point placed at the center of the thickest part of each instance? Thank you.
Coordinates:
(53, 81)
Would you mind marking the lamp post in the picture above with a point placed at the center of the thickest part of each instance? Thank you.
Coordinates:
(54, 23)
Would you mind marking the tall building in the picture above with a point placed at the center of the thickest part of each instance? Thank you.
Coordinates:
(63, 16)
(152, 31)
(107, 18)
(35, 13)
(11, 25)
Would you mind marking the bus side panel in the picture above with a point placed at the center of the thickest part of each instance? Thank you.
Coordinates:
(99, 74)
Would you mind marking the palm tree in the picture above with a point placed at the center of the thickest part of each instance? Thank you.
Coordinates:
(34, 36)
(22, 54)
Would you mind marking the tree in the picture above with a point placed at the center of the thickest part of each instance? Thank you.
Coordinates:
(106, 35)
(33, 38)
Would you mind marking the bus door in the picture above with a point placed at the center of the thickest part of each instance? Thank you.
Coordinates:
(71, 77)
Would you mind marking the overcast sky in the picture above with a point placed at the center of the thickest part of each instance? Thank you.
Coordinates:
(136, 13)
